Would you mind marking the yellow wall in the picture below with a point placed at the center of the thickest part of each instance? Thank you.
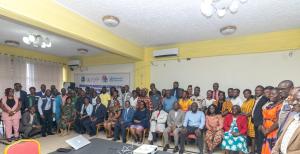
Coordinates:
(49, 15)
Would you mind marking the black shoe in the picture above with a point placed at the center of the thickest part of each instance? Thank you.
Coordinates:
(91, 135)
(50, 133)
(124, 141)
(166, 147)
(44, 135)
(176, 149)
(181, 151)
(151, 142)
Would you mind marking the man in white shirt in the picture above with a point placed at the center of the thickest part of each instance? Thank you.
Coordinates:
(209, 98)
(289, 141)
(236, 100)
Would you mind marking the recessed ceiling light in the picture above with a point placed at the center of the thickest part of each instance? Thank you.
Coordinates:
(111, 21)
(83, 51)
(228, 30)
(12, 43)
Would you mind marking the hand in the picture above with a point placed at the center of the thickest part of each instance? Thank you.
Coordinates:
(266, 132)
(136, 121)
(235, 134)
(10, 113)
(42, 116)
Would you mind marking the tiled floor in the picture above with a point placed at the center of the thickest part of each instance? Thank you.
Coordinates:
(53, 142)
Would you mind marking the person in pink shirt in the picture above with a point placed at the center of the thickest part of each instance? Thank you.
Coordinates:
(11, 114)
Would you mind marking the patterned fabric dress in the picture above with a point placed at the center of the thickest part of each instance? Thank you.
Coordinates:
(234, 143)
(67, 115)
(246, 108)
(270, 115)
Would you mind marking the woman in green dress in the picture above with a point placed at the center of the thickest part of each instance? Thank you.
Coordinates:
(68, 115)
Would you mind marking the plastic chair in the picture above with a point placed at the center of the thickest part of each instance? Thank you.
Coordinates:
(98, 126)
(24, 146)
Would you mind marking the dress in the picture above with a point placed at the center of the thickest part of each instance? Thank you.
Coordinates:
(234, 143)
(270, 115)
(67, 115)
(214, 132)
(246, 108)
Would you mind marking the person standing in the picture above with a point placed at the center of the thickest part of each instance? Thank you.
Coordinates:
(215, 91)
(30, 124)
(257, 117)
(45, 107)
(185, 102)
(196, 98)
(22, 95)
(193, 123)
(11, 114)
(247, 108)
(63, 95)
(125, 96)
(144, 98)
(133, 99)
(209, 98)
(190, 91)
(236, 100)
(43, 91)
(105, 97)
(57, 107)
(174, 121)
(176, 90)
(270, 125)
(124, 122)
(32, 99)
(168, 101)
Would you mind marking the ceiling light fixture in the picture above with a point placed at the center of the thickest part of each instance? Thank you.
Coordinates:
(111, 21)
(220, 7)
(37, 41)
(228, 30)
(83, 51)
(12, 43)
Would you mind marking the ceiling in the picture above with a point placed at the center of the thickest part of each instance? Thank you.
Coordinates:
(61, 46)
(159, 22)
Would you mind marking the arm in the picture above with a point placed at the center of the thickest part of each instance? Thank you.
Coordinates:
(227, 123)
(89, 110)
(186, 119)
(244, 125)
(24, 119)
(40, 106)
(221, 122)
(18, 107)
(169, 119)
(181, 120)
(207, 124)
(202, 120)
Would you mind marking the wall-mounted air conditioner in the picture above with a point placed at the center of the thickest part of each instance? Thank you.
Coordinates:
(166, 52)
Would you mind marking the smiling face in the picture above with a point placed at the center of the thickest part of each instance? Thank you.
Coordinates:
(274, 97)
(212, 109)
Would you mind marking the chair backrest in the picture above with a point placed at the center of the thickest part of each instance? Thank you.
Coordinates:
(28, 146)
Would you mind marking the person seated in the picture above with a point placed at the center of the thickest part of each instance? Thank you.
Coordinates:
(289, 140)
(124, 122)
(85, 114)
(157, 123)
(193, 123)
(67, 117)
(113, 116)
(98, 116)
(235, 136)
(185, 102)
(140, 122)
(30, 124)
(214, 125)
(174, 122)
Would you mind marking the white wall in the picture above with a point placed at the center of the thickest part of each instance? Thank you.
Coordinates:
(117, 68)
(237, 71)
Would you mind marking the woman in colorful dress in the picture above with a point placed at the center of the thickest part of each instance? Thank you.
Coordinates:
(214, 125)
(247, 107)
(68, 116)
(113, 116)
(270, 125)
(235, 136)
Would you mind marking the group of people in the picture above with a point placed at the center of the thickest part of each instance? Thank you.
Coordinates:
(264, 123)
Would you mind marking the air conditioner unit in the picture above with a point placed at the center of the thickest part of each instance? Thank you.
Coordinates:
(74, 64)
(166, 52)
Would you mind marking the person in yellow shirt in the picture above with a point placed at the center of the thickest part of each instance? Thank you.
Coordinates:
(185, 102)
(105, 97)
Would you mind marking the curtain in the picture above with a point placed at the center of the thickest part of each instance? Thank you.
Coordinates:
(29, 72)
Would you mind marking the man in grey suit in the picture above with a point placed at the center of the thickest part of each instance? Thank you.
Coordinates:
(174, 121)
(30, 124)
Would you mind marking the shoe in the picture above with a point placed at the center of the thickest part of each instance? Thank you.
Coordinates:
(175, 149)
(124, 141)
(181, 151)
(9, 139)
(16, 138)
(50, 133)
(91, 135)
(44, 135)
(166, 147)
(151, 142)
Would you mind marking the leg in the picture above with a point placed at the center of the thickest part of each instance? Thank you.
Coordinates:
(252, 145)
(166, 135)
(34, 132)
(27, 131)
(16, 123)
(48, 119)
(123, 132)
(176, 133)
(44, 126)
(182, 138)
(259, 137)
(86, 124)
(132, 131)
(8, 128)
(93, 127)
(217, 139)
(139, 132)
(209, 140)
(199, 135)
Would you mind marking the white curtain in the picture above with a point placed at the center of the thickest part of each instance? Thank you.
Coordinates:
(28, 72)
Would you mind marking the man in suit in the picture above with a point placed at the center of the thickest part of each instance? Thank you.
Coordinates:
(30, 125)
(45, 107)
(174, 121)
(176, 91)
(289, 140)
(43, 91)
(98, 116)
(124, 122)
(257, 117)
(22, 95)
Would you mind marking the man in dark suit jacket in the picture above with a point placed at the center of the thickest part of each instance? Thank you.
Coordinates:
(30, 124)
(124, 122)
(176, 91)
(257, 117)
(22, 96)
(42, 92)
(98, 116)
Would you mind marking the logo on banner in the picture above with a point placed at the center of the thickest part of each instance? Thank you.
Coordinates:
(104, 78)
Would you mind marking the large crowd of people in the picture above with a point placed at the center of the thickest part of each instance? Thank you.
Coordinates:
(264, 121)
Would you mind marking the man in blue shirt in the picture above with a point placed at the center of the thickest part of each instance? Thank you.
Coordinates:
(124, 122)
(168, 101)
(193, 123)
